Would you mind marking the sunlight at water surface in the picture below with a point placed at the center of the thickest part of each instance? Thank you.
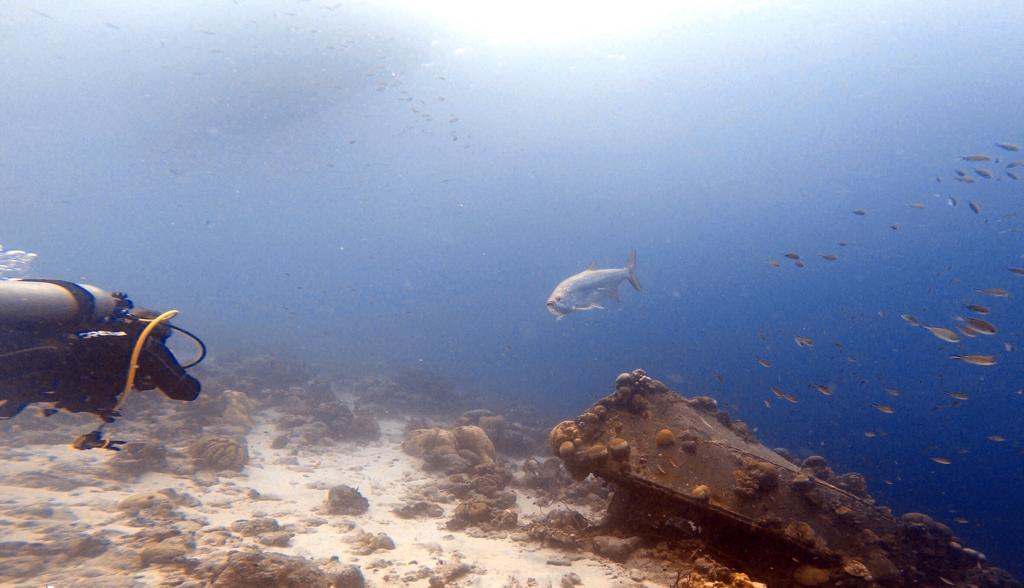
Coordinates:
(530, 22)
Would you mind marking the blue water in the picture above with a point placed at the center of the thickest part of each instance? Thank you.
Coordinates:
(268, 170)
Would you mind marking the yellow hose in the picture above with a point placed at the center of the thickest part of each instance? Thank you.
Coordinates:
(137, 350)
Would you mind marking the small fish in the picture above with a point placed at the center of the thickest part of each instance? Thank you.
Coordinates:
(976, 157)
(767, 403)
(791, 398)
(764, 362)
(870, 434)
(1008, 146)
(961, 520)
(985, 173)
(791, 255)
(1012, 175)
(983, 360)
(829, 257)
(860, 212)
(980, 326)
(803, 341)
(894, 392)
(851, 359)
(774, 263)
(951, 201)
(967, 331)
(841, 243)
(961, 172)
(965, 179)
(719, 377)
(894, 227)
(798, 263)
(587, 289)
(961, 396)
(942, 333)
(778, 393)
(917, 205)
(978, 308)
(997, 292)
(1017, 163)
(976, 208)
(884, 408)
(996, 438)
(942, 460)
(1016, 270)
(911, 320)
(826, 390)
(1008, 346)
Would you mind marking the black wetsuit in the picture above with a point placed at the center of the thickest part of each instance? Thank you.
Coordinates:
(85, 369)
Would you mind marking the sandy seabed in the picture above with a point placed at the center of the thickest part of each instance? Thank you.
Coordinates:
(65, 520)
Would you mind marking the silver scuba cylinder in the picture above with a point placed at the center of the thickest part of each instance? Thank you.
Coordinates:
(30, 303)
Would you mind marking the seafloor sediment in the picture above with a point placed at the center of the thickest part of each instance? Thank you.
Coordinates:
(278, 477)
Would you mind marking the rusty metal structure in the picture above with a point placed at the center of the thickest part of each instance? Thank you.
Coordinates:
(681, 468)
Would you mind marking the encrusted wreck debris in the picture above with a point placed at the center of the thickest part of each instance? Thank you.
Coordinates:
(682, 469)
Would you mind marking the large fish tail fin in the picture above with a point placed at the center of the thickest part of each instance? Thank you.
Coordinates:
(631, 269)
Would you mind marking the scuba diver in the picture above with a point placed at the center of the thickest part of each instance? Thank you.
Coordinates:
(83, 349)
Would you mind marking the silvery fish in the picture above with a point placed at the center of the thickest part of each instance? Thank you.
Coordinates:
(587, 289)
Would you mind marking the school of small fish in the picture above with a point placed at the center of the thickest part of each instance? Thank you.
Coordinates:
(978, 169)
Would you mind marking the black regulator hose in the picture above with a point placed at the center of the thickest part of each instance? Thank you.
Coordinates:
(197, 340)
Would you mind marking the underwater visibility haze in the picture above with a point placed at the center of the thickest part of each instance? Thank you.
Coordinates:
(372, 186)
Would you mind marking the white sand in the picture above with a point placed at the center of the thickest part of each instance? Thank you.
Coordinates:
(385, 475)
(294, 493)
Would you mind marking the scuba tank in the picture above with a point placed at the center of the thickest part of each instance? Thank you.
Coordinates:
(27, 304)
